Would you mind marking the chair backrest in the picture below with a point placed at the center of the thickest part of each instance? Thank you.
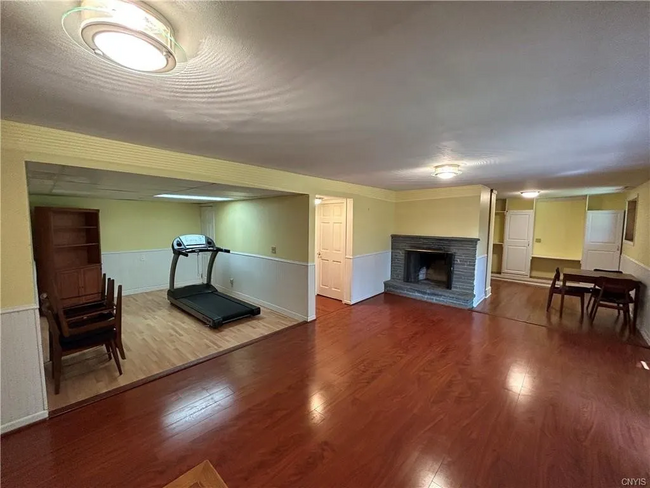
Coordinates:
(616, 285)
(608, 271)
(57, 310)
(556, 277)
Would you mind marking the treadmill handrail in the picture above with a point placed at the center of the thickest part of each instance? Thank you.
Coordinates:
(186, 251)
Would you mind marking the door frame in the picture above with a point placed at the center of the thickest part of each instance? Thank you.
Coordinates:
(529, 254)
(202, 260)
(347, 265)
(622, 215)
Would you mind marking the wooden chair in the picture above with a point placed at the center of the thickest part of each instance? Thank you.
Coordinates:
(595, 290)
(106, 301)
(616, 294)
(569, 290)
(68, 336)
(101, 308)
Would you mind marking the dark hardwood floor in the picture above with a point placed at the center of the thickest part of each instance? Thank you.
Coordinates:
(527, 303)
(391, 392)
(325, 305)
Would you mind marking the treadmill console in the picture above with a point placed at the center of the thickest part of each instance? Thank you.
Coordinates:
(193, 243)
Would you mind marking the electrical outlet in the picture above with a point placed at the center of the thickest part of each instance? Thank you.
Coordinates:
(232, 281)
(273, 249)
(538, 239)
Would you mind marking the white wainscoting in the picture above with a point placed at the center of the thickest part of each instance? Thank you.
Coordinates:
(631, 266)
(480, 273)
(148, 270)
(24, 399)
(369, 271)
(277, 284)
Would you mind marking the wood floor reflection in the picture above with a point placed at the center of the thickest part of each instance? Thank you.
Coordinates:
(527, 303)
(390, 392)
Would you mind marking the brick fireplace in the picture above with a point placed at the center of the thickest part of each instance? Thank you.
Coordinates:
(434, 269)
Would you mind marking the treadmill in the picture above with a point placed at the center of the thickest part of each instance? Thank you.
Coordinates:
(203, 300)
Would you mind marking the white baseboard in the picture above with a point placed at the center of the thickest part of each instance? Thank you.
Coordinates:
(642, 272)
(480, 276)
(23, 394)
(522, 279)
(30, 419)
(369, 271)
(488, 292)
(146, 289)
(276, 284)
(262, 303)
(148, 270)
(311, 317)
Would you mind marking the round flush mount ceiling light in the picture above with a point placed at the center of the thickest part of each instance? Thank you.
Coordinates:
(126, 33)
(446, 171)
(530, 194)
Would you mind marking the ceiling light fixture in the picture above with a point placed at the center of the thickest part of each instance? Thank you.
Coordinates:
(193, 197)
(446, 171)
(530, 194)
(127, 33)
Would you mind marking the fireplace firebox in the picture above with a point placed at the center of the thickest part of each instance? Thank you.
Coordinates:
(428, 266)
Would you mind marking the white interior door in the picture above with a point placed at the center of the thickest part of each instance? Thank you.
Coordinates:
(518, 242)
(330, 249)
(603, 237)
(207, 229)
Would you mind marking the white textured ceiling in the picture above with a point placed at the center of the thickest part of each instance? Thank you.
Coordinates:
(52, 179)
(524, 94)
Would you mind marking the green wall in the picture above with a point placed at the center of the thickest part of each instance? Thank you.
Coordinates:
(127, 225)
(254, 226)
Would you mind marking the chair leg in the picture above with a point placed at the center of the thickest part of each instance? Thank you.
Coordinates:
(550, 299)
(108, 350)
(116, 357)
(561, 304)
(120, 347)
(595, 309)
(582, 307)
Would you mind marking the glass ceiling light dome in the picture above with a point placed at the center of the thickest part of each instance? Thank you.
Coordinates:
(127, 33)
(446, 171)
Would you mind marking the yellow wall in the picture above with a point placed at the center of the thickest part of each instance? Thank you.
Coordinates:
(545, 268)
(254, 226)
(640, 251)
(447, 217)
(560, 224)
(127, 225)
(373, 224)
(521, 203)
(608, 201)
(22, 142)
(497, 258)
(16, 278)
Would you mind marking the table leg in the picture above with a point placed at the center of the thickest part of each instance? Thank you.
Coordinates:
(562, 299)
(637, 295)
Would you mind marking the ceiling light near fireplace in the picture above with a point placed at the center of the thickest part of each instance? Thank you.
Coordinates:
(446, 171)
(129, 34)
(530, 194)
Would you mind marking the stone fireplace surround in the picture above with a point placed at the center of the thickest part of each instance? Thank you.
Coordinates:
(462, 291)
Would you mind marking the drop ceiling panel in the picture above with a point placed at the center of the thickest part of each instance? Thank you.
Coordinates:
(49, 179)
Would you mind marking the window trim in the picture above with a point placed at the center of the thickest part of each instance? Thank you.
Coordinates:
(635, 198)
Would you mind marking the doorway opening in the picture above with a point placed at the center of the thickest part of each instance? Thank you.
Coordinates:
(333, 253)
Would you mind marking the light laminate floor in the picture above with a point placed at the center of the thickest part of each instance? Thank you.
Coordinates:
(157, 337)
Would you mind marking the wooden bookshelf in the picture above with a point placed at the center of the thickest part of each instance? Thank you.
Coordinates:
(68, 253)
